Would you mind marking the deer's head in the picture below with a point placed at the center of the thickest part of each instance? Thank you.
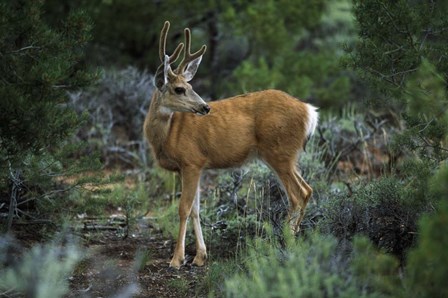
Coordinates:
(177, 95)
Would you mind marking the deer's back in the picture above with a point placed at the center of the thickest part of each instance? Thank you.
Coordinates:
(239, 128)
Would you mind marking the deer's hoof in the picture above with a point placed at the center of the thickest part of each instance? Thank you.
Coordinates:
(199, 259)
(176, 263)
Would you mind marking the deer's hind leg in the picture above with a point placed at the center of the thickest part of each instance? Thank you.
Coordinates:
(306, 192)
(297, 190)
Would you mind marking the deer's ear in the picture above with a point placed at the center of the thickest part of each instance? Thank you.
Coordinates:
(162, 73)
(191, 69)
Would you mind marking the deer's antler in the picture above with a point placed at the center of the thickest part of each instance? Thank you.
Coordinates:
(162, 45)
(188, 57)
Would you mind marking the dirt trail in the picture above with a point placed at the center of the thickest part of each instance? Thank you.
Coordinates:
(111, 269)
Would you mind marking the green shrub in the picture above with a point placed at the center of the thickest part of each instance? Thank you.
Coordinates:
(41, 271)
(315, 266)
(437, 184)
(319, 266)
(375, 272)
(168, 220)
(212, 284)
(378, 210)
(427, 268)
(302, 268)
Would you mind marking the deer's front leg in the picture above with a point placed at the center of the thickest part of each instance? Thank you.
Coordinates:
(190, 180)
(201, 251)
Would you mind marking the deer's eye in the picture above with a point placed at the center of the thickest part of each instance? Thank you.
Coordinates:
(179, 90)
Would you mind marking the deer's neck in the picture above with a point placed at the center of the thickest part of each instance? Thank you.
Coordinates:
(157, 126)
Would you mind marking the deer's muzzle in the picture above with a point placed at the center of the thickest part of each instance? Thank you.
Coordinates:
(203, 109)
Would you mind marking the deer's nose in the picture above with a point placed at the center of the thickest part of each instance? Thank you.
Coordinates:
(206, 109)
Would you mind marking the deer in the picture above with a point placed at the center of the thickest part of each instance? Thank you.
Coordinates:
(187, 135)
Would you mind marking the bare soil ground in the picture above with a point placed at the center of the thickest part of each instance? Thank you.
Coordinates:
(136, 266)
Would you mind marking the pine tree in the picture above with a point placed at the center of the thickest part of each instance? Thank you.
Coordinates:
(401, 51)
(428, 262)
(38, 65)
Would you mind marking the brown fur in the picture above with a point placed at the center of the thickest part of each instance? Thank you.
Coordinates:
(270, 125)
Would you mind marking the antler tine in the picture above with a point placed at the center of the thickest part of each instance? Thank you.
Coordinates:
(188, 57)
(162, 45)
(176, 53)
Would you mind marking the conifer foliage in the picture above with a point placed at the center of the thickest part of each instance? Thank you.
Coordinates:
(38, 65)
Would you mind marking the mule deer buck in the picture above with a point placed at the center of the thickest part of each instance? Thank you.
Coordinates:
(187, 135)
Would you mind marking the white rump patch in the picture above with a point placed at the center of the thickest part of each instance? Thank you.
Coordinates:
(313, 119)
